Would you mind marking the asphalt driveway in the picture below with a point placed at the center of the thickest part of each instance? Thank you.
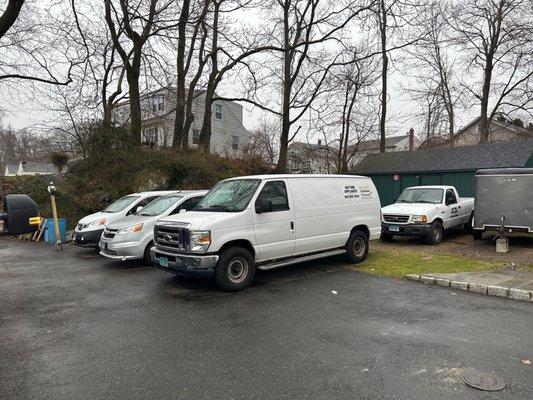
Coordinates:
(76, 326)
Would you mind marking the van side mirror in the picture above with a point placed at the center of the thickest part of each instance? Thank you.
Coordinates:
(263, 206)
(18, 210)
(182, 211)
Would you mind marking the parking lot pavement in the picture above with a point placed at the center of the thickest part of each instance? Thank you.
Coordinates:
(76, 326)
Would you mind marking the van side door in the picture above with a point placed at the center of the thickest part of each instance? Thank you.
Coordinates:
(273, 221)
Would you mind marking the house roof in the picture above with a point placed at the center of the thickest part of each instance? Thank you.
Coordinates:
(363, 146)
(466, 158)
(38, 167)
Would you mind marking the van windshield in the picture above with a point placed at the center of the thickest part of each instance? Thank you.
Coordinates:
(121, 204)
(158, 206)
(422, 195)
(229, 196)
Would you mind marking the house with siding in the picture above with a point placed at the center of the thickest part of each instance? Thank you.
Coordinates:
(395, 171)
(229, 136)
(11, 170)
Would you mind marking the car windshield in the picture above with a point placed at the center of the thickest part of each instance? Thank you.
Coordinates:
(229, 196)
(158, 206)
(426, 195)
(121, 204)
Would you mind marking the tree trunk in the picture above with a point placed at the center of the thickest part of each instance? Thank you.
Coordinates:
(135, 106)
(384, 72)
(484, 123)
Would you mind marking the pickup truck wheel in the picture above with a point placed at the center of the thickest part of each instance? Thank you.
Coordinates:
(386, 237)
(357, 246)
(147, 258)
(468, 225)
(235, 269)
(435, 234)
(477, 234)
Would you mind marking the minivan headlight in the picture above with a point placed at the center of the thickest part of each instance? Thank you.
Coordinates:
(200, 241)
(130, 229)
(97, 223)
(421, 219)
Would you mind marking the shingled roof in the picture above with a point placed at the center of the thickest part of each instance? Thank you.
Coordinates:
(465, 158)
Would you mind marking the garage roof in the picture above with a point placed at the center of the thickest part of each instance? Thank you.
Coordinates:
(465, 158)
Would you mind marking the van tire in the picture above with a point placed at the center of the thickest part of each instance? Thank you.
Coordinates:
(435, 234)
(235, 269)
(147, 258)
(357, 247)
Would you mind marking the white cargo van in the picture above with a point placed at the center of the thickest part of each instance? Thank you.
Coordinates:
(269, 221)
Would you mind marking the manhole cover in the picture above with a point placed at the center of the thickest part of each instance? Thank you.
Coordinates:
(482, 380)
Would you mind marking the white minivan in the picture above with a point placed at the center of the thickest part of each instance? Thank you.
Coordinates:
(269, 221)
(89, 229)
(131, 237)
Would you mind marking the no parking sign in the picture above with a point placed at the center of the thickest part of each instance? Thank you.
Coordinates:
(396, 177)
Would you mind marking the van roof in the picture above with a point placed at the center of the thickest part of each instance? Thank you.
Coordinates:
(291, 176)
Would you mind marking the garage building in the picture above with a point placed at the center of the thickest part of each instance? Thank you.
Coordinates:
(392, 172)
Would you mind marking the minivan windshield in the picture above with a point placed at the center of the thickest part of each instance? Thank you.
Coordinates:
(158, 206)
(421, 195)
(121, 204)
(229, 196)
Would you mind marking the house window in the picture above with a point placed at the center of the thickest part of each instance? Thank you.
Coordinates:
(158, 103)
(235, 142)
(151, 135)
(218, 111)
(195, 136)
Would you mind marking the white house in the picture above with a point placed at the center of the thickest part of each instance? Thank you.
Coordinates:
(30, 168)
(229, 136)
(11, 170)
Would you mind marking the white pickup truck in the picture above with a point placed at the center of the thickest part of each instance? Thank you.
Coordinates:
(426, 211)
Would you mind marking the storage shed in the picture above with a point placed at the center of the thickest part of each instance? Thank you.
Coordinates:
(392, 172)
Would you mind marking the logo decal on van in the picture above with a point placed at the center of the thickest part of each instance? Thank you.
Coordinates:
(365, 191)
(351, 192)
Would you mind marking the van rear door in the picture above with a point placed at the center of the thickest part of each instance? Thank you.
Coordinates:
(274, 228)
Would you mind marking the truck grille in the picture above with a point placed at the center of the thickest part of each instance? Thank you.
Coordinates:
(399, 219)
(80, 227)
(109, 233)
(174, 238)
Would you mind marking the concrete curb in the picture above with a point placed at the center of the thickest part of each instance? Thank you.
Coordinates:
(491, 290)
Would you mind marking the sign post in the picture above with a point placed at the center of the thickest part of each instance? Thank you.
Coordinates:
(52, 191)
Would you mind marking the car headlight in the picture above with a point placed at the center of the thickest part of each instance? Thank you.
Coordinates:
(130, 229)
(422, 219)
(200, 241)
(97, 223)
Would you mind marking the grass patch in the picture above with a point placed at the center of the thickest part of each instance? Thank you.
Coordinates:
(397, 264)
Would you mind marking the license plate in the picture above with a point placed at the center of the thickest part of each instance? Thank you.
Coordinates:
(163, 261)
(394, 228)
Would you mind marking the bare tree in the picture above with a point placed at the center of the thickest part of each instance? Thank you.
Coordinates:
(497, 36)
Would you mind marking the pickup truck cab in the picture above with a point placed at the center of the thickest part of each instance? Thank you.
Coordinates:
(268, 221)
(131, 237)
(89, 229)
(426, 211)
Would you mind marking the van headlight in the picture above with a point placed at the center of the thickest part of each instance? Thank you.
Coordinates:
(200, 241)
(97, 223)
(421, 219)
(130, 229)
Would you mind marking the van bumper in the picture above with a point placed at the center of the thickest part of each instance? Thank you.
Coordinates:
(121, 251)
(184, 264)
(407, 230)
(87, 239)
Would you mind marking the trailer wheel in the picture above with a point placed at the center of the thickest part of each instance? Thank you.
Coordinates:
(435, 235)
(477, 234)
(235, 269)
(357, 246)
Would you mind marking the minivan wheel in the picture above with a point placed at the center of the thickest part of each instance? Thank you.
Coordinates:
(235, 269)
(357, 246)
(146, 256)
(435, 234)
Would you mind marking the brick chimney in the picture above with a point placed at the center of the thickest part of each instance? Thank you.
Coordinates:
(411, 139)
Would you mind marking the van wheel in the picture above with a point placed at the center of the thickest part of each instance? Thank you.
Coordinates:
(147, 258)
(477, 234)
(357, 247)
(235, 269)
(468, 225)
(435, 234)
(386, 237)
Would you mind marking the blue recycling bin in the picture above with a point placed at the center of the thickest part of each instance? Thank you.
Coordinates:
(50, 232)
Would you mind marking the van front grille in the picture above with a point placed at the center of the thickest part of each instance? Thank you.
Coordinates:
(172, 237)
(399, 219)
